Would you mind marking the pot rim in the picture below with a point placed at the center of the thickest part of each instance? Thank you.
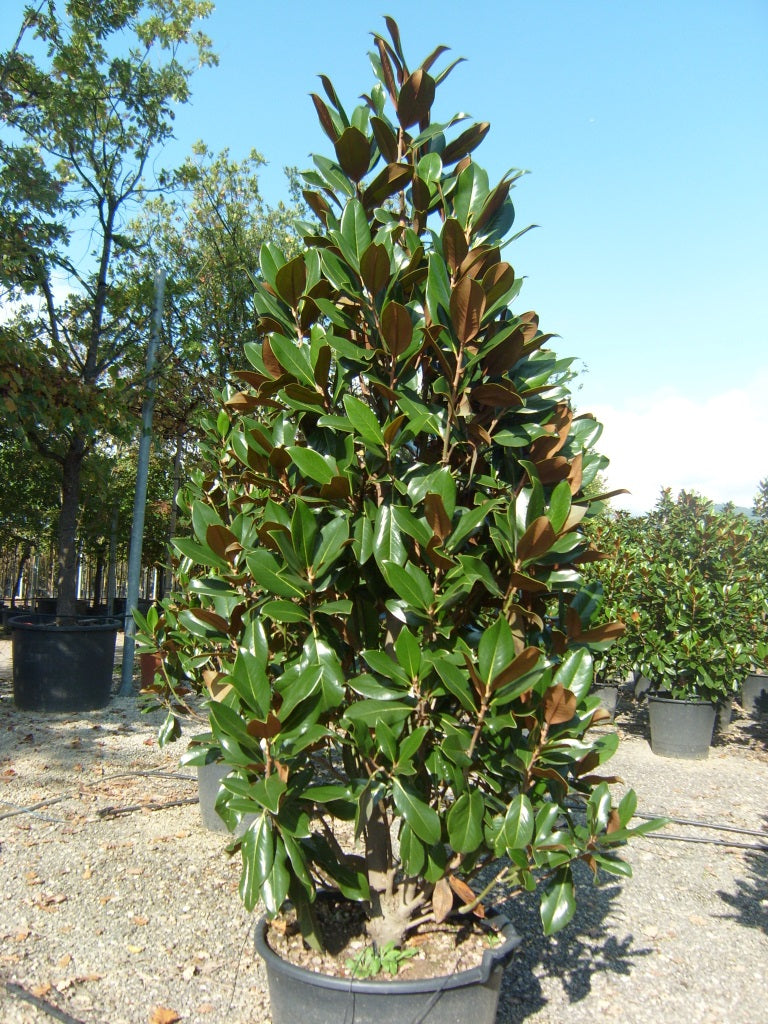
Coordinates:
(492, 958)
(48, 624)
(693, 701)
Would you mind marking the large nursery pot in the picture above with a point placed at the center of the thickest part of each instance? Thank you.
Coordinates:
(681, 728)
(298, 994)
(62, 667)
(754, 693)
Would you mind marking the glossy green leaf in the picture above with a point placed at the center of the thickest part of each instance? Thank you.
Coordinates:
(408, 653)
(496, 650)
(293, 358)
(284, 611)
(386, 741)
(558, 902)
(387, 541)
(258, 853)
(575, 672)
(265, 569)
(456, 682)
(438, 290)
(355, 230)
(412, 852)
(249, 678)
(422, 818)
(409, 583)
(311, 464)
(560, 505)
(517, 829)
(369, 712)
(382, 664)
(364, 420)
(304, 532)
(465, 822)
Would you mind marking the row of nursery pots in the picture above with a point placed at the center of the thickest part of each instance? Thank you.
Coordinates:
(684, 728)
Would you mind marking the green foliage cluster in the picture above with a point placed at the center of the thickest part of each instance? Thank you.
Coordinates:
(689, 582)
(370, 961)
(382, 590)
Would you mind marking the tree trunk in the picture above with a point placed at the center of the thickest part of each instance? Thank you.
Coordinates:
(112, 564)
(66, 583)
(25, 553)
(168, 580)
(98, 580)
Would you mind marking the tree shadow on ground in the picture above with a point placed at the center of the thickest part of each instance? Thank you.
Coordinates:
(586, 947)
(749, 904)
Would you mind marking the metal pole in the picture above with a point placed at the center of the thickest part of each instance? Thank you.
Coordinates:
(140, 499)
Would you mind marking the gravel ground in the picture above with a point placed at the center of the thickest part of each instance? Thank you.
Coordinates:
(118, 915)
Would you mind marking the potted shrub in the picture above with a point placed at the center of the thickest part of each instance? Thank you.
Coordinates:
(614, 584)
(694, 608)
(755, 686)
(385, 570)
(754, 695)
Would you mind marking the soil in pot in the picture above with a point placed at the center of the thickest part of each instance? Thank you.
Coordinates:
(454, 976)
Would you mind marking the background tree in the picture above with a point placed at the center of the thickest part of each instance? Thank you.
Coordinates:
(81, 116)
(29, 501)
(206, 231)
(760, 504)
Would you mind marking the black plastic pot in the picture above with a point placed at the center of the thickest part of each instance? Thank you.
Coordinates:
(681, 728)
(9, 613)
(62, 667)
(754, 694)
(467, 997)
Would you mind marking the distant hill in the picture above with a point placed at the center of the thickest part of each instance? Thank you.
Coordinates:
(740, 509)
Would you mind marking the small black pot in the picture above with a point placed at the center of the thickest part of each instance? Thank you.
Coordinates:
(298, 996)
(62, 667)
(681, 728)
(754, 694)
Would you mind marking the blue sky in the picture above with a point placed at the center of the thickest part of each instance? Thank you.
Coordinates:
(645, 128)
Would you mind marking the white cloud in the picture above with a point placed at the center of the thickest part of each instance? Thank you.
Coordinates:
(714, 445)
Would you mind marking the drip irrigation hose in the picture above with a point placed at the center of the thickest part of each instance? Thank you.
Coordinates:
(704, 824)
(150, 773)
(693, 823)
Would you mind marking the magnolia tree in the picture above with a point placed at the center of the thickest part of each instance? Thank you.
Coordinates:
(382, 592)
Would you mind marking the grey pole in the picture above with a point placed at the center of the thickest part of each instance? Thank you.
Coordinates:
(140, 498)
